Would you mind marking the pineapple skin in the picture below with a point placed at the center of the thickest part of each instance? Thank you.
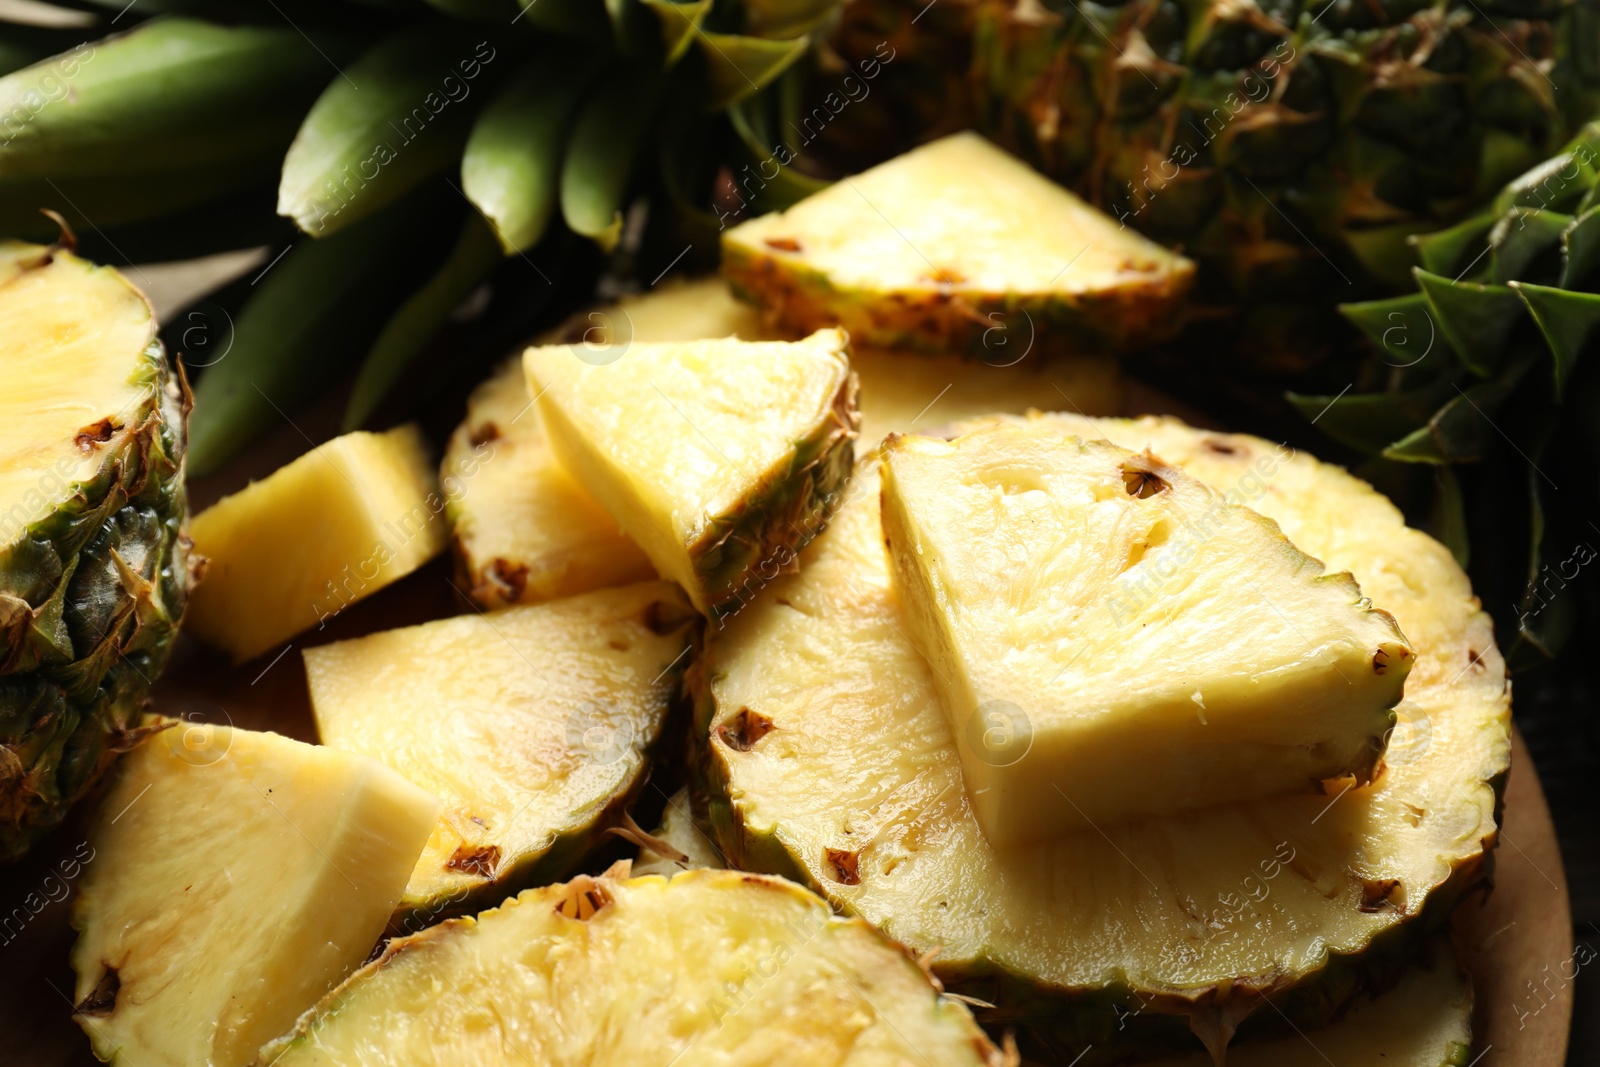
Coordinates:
(113, 559)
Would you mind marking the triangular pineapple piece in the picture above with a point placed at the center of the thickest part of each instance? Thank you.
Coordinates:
(534, 725)
(957, 246)
(718, 458)
(236, 876)
(1114, 640)
(711, 967)
(318, 534)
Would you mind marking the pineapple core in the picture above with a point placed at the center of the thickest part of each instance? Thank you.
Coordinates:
(1113, 640)
(293, 550)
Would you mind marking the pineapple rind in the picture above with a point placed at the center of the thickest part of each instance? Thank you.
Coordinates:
(736, 966)
(80, 638)
(1149, 1000)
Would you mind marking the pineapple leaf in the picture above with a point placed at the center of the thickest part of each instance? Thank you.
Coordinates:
(1447, 519)
(738, 66)
(1371, 421)
(679, 24)
(1580, 249)
(1523, 236)
(604, 142)
(1567, 320)
(1401, 327)
(1461, 431)
(1477, 319)
(1446, 251)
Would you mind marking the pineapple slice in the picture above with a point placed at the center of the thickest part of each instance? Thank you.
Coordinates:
(718, 458)
(293, 550)
(525, 532)
(957, 246)
(1113, 640)
(826, 756)
(534, 725)
(710, 967)
(236, 877)
(1424, 1021)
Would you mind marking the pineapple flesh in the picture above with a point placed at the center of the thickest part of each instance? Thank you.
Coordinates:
(330, 528)
(534, 725)
(94, 568)
(236, 877)
(1113, 640)
(826, 756)
(958, 247)
(717, 458)
(526, 532)
(709, 967)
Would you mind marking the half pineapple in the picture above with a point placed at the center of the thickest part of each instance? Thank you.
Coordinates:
(718, 458)
(94, 566)
(236, 877)
(827, 757)
(958, 247)
(710, 967)
(534, 725)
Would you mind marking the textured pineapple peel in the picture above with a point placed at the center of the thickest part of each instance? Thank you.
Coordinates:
(1115, 640)
(826, 756)
(710, 967)
(956, 245)
(236, 877)
(321, 532)
(534, 725)
(716, 457)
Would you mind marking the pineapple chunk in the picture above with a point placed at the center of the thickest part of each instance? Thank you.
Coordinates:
(534, 725)
(718, 458)
(710, 967)
(296, 548)
(957, 246)
(526, 532)
(236, 877)
(1114, 640)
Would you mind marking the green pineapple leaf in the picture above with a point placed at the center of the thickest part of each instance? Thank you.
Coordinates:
(1522, 237)
(1477, 319)
(1403, 328)
(1567, 320)
(1580, 249)
(738, 66)
(1447, 251)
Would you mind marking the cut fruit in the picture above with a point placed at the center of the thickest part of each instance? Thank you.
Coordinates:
(718, 458)
(710, 967)
(827, 757)
(957, 246)
(94, 567)
(684, 844)
(293, 550)
(1424, 1021)
(525, 532)
(534, 725)
(1115, 641)
(236, 877)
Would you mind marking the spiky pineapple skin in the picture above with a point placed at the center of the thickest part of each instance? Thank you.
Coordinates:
(91, 599)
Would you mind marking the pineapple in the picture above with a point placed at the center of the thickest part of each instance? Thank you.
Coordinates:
(525, 532)
(957, 246)
(295, 549)
(534, 725)
(826, 756)
(1113, 640)
(720, 459)
(94, 565)
(236, 877)
(1425, 1020)
(710, 967)
(683, 843)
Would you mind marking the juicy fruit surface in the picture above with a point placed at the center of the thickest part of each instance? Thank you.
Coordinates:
(829, 757)
(1424, 1021)
(236, 877)
(711, 967)
(1114, 640)
(916, 250)
(706, 452)
(94, 571)
(533, 725)
(333, 526)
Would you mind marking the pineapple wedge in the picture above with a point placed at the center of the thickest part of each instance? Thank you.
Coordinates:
(825, 756)
(957, 246)
(236, 877)
(1113, 640)
(526, 532)
(534, 725)
(710, 967)
(294, 549)
(718, 458)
